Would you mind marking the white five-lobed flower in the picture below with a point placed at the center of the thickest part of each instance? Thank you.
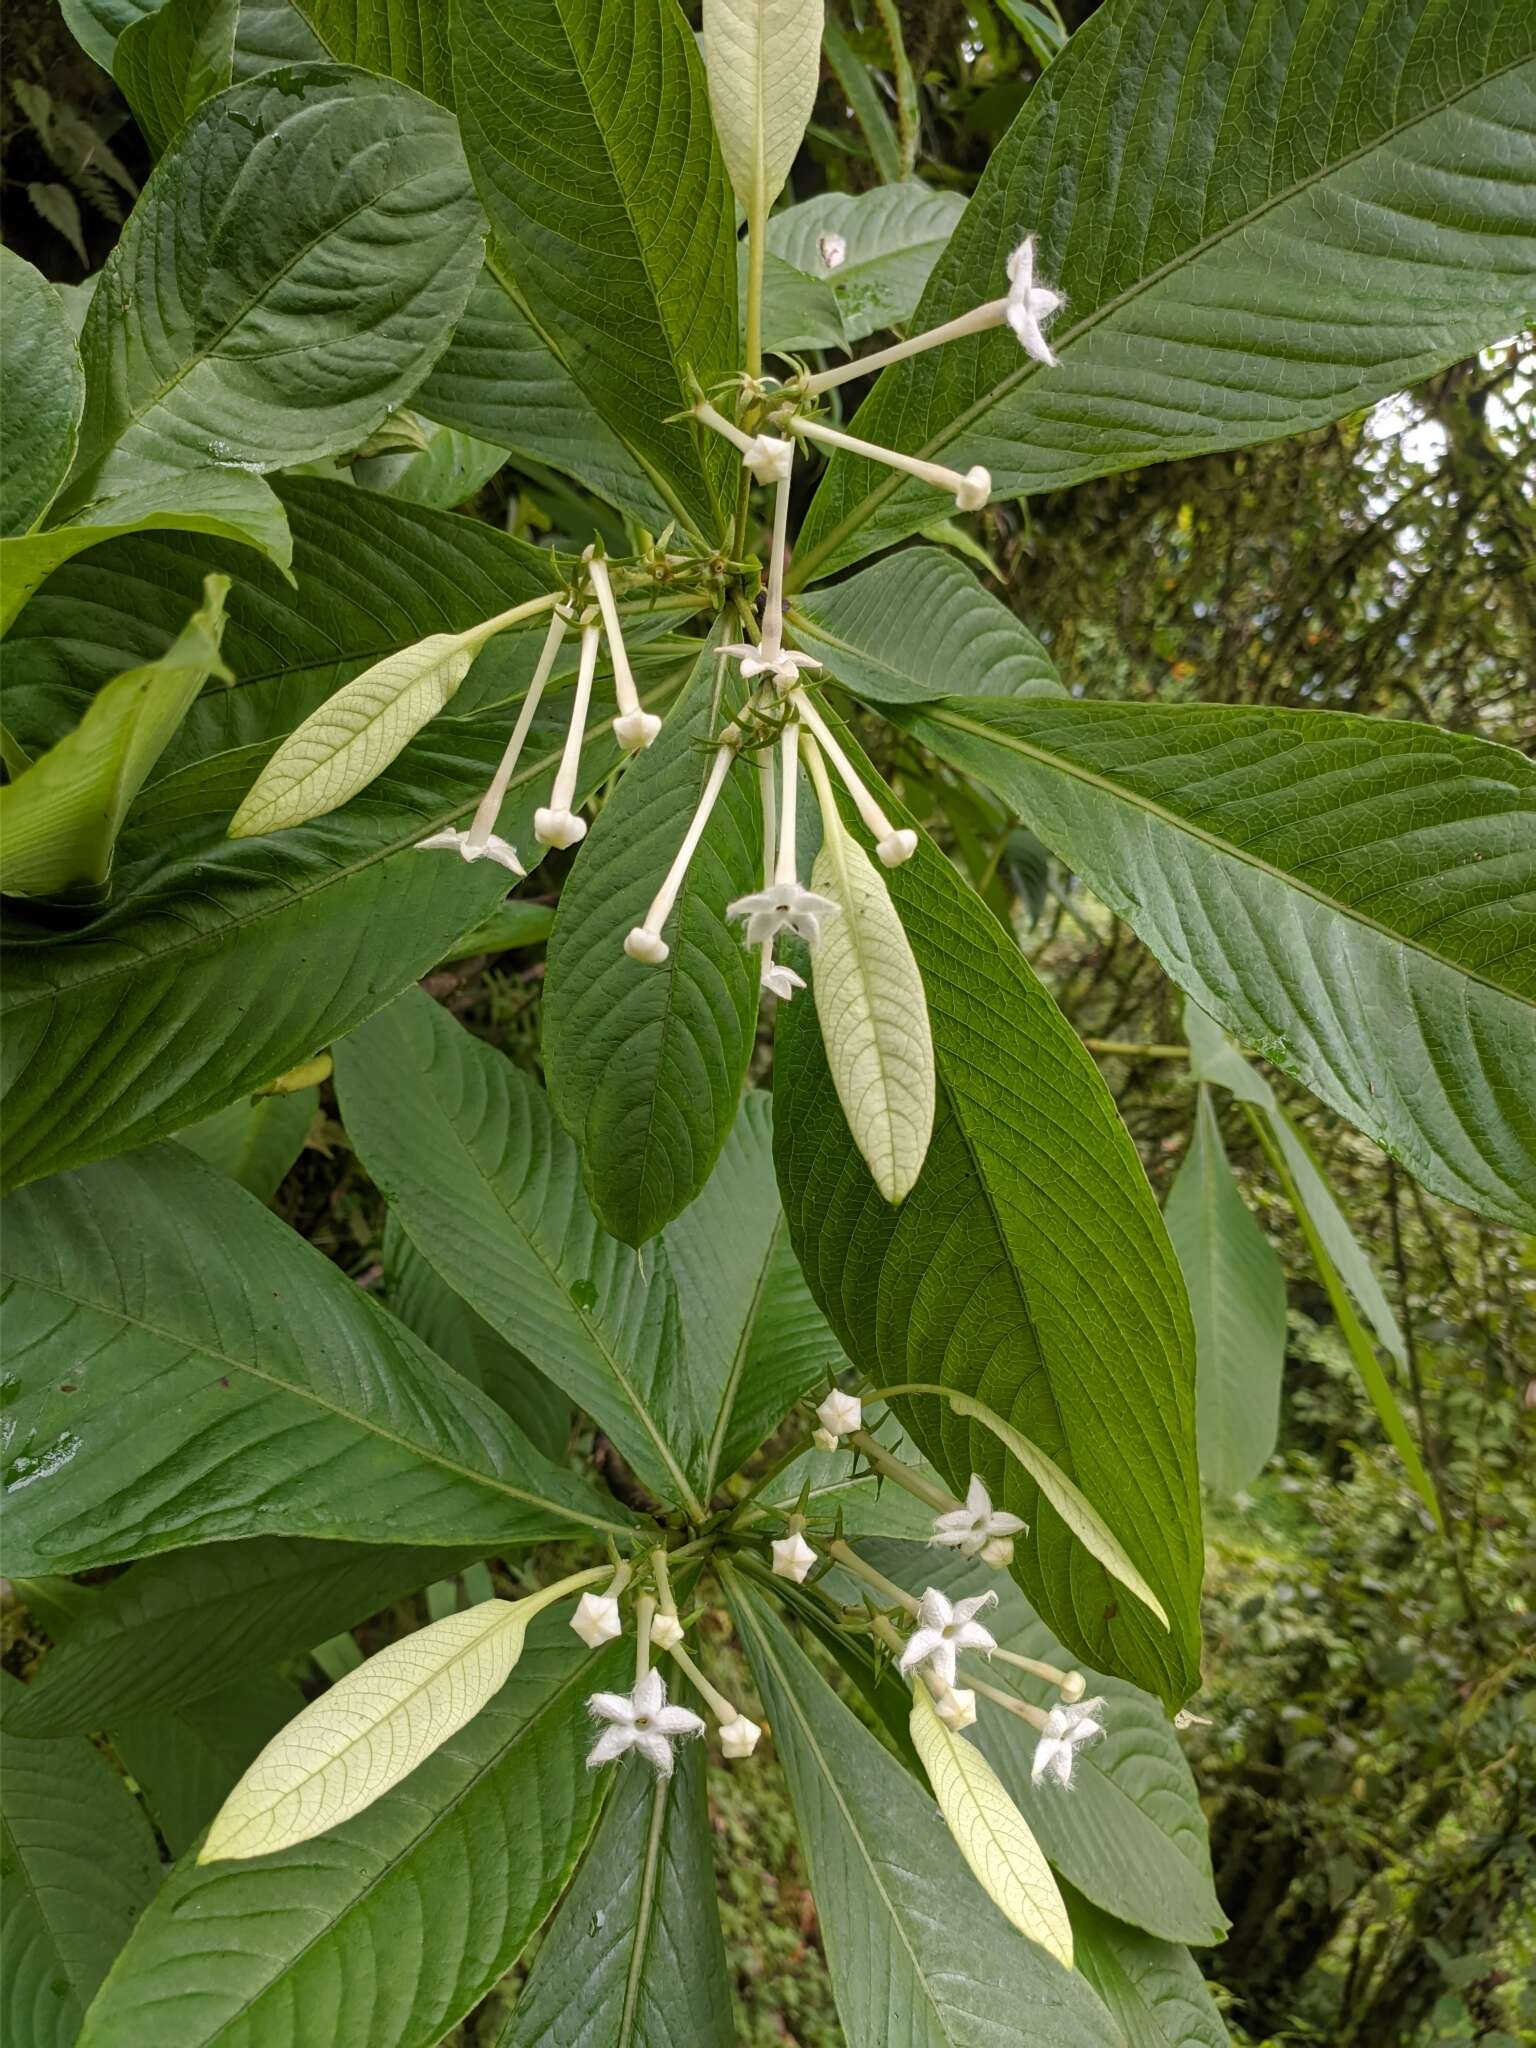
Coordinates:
(971, 1529)
(1066, 1730)
(792, 1557)
(841, 1413)
(782, 907)
(640, 1720)
(945, 1627)
(666, 1631)
(780, 981)
(956, 1707)
(739, 1738)
(1030, 305)
(469, 848)
(596, 1619)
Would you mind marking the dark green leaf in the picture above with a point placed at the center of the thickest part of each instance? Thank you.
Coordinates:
(42, 390)
(256, 1140)
(169, 62)
(270, 31)
(448, 471)
(404, 39)
(186, 1760)
(1153, 1988)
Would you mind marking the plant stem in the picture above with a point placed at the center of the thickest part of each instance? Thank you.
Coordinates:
(1033, 1715)
(892, 1468)
(893, 1593)
(717, 1702)
(756, 250)
(1124, 1048)
(645, 1613)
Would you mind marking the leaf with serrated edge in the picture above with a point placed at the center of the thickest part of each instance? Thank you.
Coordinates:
(873, 1016)
(990, 1832)
(764, 63)
(42, 390)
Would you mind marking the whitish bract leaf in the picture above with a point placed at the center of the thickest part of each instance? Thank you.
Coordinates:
(764, 60)
(369, 1731)
(990, 1832)
(874, 1018)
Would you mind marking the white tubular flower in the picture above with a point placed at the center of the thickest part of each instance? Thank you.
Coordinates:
(824, 1440)
(772, 646)
(490, 848)
(557, 824)
(764, 456)
(971, 1528)
(792, 1557)
(1074, 1685)
(785, 666)
(832, 250)
(645, 942)
(1066, 1730)
(740, 1737)
(1030, 305)
(634, 728)
(640, 1720)
(666, 1632)
(783, 905)
(969, 492)
(891, 846)
(956, 1707)
(839, 1413)
(945, 1627)
(596, 1619)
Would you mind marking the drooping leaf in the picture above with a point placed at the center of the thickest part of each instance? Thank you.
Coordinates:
(1338, 155)
(1387, 964)
(645, 1064)
(635, 1953)
(257, 1140)
(915, 627)
(763, 59)
(1153, 1989)
(80, 1867)
(892, 238)
(207, 1334)
(873, 1017)
(404, 39)
(42, 391)
(618, 228)
(61, 816)
(384, 1934)
(1028, 1267)
(906, 1929)
(169, 62)
(990, 1832)
(1237, 1294)
(296, 262)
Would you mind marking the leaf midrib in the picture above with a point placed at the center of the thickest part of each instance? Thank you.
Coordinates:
(1119, 792)
(801, 571)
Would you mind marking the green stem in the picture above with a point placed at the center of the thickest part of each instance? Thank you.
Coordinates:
(891, 1468)
(756, 251)
(895, 1595)
(717, 1702)
(1127, 1049)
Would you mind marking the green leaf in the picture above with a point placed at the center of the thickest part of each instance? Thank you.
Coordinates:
(80, 1867)
(1129, 1832)
(635, 1953)
(799, 312)
(894, 235)
(1028, 1267)
(210, 341)
(1338, 154)
(863, 96)
(618, 228)
(269, 32)
(448, 471)
(207, 1332)
(182, 1627)
(501, 379)
(386, 1933)
(906, 1930)
(61, 816)
(917, 626)
(515, 925)
(404, 39)
(257, 1140)
(763, 59)
(42, 391)
(169, 62)
(645, 1064)
(185, 1760)
(1153, 1989)
(1237, 1294)
(1384, 963)
(873, 1017)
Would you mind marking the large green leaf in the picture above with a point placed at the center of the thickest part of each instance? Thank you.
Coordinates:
(404, 39)
(80, 1867)
(1153, 1988)
(385, 1933)
(269, 32)
(185, 1760)
(912, 1941)
(1336, 203)
(257, 1139)
(1237, 1294)
(294, 266)
(645, 1064)
(449, 469)
(1128, 1832)
(635, 1956)
(230, 1378)
(1028, 1267)
(618, 226)
(917, 626)
(42, 390)
(892, 238)
(500, 379)
(168, 63)
(1352, 897)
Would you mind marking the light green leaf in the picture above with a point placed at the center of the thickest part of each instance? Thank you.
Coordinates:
(905, 1930)
(42, 391)
(645, 1064)
(990, 1832)
(404, 39)
(893, 235)
(206, 342)
(515, 925)
(80, 1867)
(919, 625)
(426, 1899)
(1187, 231)
(873, 1016)
(447, 471)
(863, 96)
(170, 61)
(635, 1953)
(61, 816)
(256, 1140)
(1153, 1989)
(207, 1331)
(1028, 1268)
(636, 213)
(1237, 1293)
(799, 312)
(1384, 963)
(763, 58)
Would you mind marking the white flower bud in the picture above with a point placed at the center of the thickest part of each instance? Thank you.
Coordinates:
(1072, 1688)
(998, 1553)
(596, 1619)
(974, 489)
(635, 730)
(558, 828)
(839, 1413)
(666, 1631)
(648, 947)
(824, 1439)
(792, 1557)
(898, 847)
(768, 458)
(956, 1708)
(739, 1738)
